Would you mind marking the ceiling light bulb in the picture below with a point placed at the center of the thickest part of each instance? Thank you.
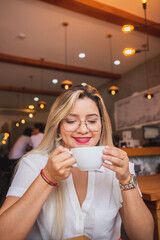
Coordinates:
(113, 90)
(31, 107)
(36, 99)
(6, 134)
(149, 95)
(66, 87)
(127, 28)
(117, 62)
(82, 55)
(144, 1)
(54, 81)
(84, 84)
(42, 104)
(30, 115)
(23, 121)
(4, 142)
(17, 124)
(129, 51)
(66, 84)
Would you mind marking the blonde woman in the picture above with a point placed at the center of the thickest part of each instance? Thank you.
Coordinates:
(49, 199)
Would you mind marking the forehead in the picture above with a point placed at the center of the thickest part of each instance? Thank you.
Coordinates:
(84, 106)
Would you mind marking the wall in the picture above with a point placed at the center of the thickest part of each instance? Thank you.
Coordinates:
(131, 82)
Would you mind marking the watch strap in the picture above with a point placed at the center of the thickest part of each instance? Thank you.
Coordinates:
(130, 185)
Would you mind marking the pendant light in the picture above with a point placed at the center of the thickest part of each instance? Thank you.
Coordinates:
(129, 28)
(112, 89)
(148, 94)
(66, 84)
(17, 124)
(31, 106)
(42, 104)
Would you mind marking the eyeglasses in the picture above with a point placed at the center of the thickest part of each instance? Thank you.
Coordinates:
(71, 124)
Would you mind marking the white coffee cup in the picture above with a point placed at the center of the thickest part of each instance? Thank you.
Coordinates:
(88, 158)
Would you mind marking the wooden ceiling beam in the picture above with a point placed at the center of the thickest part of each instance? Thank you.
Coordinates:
(28, 90)
(56, 66)
(107, 13)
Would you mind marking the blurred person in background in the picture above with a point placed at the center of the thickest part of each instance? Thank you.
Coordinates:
(37, 135)
(19, 148)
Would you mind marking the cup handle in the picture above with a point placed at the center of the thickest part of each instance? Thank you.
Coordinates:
(75, 164)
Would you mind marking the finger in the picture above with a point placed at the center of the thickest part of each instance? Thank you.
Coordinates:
(111, 167)
(113, 151)
(68, 162)
(59, 150)
(114, 160)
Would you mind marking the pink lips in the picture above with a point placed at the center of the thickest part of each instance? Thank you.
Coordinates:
(82, 140)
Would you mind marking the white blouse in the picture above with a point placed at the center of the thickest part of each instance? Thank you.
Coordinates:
(97, 218)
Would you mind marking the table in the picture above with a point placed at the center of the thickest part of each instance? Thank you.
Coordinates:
(150, 188)
(79, 238)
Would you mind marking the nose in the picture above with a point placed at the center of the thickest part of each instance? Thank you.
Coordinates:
(83, 127)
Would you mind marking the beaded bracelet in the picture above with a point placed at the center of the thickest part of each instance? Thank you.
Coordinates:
(47, 180)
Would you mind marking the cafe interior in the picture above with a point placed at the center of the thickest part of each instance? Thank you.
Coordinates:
(48, 46)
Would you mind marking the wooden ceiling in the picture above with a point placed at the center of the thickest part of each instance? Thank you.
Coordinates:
(106, 13)
(90, 8)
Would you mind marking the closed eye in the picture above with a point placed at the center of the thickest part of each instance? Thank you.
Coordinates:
(71, 121)
(92, 121)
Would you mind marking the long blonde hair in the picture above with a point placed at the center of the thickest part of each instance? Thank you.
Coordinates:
(59, 110)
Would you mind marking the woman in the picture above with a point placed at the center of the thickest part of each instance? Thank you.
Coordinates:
(63, 202)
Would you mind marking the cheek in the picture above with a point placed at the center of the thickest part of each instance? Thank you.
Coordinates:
(96, 137)
(63, 133)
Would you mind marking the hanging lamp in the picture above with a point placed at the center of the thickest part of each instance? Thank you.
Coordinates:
(42, 104)
(66, 84)
(148, 94)
(129, 28)
(112, 89)
(31, 106)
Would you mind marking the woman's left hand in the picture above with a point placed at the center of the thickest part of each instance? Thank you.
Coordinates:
(118, 162)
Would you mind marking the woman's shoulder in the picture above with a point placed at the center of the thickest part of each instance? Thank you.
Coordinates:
(34, 159)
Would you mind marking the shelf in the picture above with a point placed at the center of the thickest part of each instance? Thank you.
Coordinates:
(146, 151)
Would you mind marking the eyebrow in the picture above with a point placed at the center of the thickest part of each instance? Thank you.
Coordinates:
(88, 115)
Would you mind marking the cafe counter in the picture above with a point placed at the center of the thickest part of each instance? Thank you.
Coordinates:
(142, 151)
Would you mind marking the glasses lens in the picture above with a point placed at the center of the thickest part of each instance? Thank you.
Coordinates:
(94, 125)
(72, 124)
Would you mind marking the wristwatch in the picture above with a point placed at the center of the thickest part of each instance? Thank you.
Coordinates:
(130, 185)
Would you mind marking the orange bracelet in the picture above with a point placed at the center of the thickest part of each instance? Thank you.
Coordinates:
(47, 180)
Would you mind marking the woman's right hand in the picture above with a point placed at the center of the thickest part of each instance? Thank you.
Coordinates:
(59, 164)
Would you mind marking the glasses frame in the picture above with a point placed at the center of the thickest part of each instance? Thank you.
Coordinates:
(85, 121)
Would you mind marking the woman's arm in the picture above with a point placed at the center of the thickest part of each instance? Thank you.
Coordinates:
(136, 217)
(18, 215)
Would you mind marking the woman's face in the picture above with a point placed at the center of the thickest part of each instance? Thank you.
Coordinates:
(73, 128)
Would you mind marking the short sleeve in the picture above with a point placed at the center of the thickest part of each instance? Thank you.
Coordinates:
(27, 172)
